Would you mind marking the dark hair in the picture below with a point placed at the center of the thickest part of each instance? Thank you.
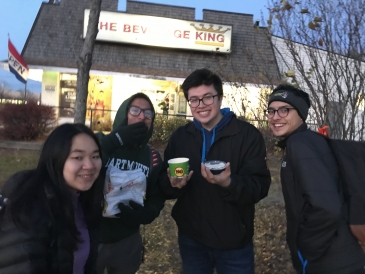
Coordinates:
(47, 178)
(298, 92)
(202, 77)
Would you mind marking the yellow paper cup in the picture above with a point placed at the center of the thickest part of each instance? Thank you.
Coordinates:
(178, 167)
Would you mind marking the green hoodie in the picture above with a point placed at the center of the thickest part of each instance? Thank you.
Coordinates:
(129, 158)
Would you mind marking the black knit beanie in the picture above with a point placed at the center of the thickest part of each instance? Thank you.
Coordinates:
(289, 97)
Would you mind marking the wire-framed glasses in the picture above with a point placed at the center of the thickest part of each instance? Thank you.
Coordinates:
(135, 111)
(207, 100)
(282, 112)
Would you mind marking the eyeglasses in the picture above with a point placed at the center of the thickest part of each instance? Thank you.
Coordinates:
(282, 112)
(207, 100)
(135, 111)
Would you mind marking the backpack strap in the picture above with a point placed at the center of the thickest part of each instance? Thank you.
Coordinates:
(332, 145)
(154, 159)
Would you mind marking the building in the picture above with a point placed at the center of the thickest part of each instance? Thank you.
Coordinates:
(148, 48)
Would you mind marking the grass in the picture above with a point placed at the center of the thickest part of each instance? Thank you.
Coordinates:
(160, 237)
(13, 160)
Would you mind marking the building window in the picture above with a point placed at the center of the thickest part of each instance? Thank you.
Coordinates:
(68, 95)
(181, 103)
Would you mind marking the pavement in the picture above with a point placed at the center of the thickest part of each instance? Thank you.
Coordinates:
(21, 145)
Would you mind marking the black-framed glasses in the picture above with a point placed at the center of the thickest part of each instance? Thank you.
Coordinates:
(135, 111)
(207, 100)
(282, 112)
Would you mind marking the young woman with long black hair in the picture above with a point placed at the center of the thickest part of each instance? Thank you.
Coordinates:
(49, 222)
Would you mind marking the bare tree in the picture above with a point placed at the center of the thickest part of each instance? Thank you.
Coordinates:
(7, 93)
(33, 96)
(4, 88)
(320, 47)
(85, 61)
(259, 77)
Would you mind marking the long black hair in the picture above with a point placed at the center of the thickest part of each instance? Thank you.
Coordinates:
(46, 182)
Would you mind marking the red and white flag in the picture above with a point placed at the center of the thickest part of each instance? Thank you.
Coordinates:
(16, 64)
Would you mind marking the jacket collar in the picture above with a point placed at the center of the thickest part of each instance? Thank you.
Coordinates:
(282, 143)
(232, 128)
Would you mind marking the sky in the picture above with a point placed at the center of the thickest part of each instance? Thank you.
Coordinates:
(18, 17)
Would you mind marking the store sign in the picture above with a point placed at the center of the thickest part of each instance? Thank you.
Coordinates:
(162, 32)
(50, 88)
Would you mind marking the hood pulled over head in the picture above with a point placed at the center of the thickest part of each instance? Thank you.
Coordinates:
(121, 118)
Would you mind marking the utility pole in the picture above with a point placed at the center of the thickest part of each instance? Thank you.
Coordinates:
(25, 93)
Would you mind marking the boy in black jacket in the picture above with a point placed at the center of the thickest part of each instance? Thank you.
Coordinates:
(214, 213)
(318, 234)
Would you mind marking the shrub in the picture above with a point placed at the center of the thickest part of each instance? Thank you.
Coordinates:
(26, 122)
(270, 139)
(163, 127)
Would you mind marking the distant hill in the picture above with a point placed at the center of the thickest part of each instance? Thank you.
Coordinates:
(7, 78)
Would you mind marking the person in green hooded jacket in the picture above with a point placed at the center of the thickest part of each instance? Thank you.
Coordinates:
(131, 192)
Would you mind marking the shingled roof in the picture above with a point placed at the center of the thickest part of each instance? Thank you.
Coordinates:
(56, 40)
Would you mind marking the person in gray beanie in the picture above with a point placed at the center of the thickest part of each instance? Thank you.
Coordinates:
(318, 234)
(300, 101)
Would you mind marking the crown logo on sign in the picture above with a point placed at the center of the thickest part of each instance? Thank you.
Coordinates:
(210, 29)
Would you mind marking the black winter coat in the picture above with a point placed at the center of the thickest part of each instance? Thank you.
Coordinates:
(218, 217)
(37, 250)
(315, 207)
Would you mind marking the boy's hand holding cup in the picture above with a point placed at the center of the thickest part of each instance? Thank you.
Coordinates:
(178, 171)
(217, 172)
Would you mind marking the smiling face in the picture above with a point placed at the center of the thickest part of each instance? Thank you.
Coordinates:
(83, 163)
(142, 104)
(209, 115)
(283, 127)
